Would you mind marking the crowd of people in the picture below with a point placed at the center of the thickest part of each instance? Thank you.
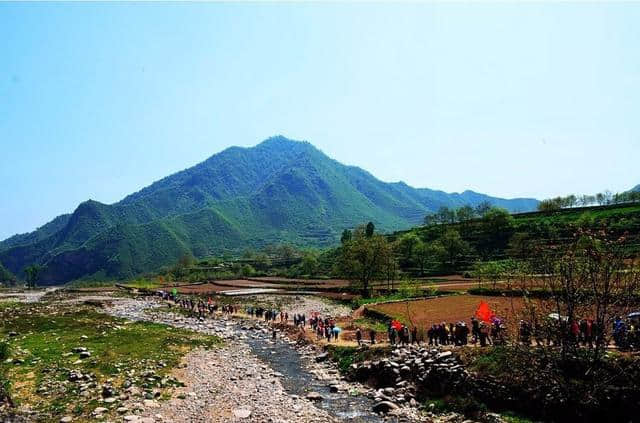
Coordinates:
(551, 331)
(324, 327)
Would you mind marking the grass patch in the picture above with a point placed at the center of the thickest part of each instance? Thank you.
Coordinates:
(9, 304)
(370, 323)
(144, 284)
(89, 284)
(469, 407)
(346, 356)
(511, 417)
(398, 296)
(121, 351)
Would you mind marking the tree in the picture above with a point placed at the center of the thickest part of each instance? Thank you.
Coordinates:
(454, 248)
(346, 236)
(497, 227)
(405, 246)
(590, 278)
(364, 258)
(261, 261)
(548, 205)
(430, 219)
(520, 245)
(425, 253)
(6, 277)
(390, 270)
(492, 271)
(370, 229)
(286, 252)
(445, 215)
(465, 213)
(32, 274)
(309, 265)
(483, 208)
(180, 269)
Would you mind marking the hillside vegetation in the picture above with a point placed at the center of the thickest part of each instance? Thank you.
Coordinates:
(278, 191)
(499, 236)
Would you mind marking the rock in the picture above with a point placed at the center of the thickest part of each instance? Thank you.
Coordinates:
(100, 410)
(242, 413)
(314, 396)
(443, 355)
(66, 419)
(13, 333)
(384, 407)
(322, 357)
(85, 354)
(110, 400)
(108, 391)
(334, 388)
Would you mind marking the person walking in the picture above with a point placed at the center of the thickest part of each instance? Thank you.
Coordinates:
(358, 336)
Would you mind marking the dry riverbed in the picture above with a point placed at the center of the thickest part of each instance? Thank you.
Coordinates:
(140, 362)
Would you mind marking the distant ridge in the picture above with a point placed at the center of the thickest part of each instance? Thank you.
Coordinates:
(278, 191)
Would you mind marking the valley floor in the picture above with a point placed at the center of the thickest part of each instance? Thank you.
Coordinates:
(80, 357)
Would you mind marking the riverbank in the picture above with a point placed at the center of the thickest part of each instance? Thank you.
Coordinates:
(312, 386)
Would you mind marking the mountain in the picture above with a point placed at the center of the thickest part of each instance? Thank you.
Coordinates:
(5, 276)
(278, 191)
(636, 188)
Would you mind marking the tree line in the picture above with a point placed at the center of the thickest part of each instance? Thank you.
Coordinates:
(600, 199)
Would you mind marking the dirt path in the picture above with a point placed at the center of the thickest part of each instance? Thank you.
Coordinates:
(27, 296)
(222, 385)
(232, 384)
(229, 385)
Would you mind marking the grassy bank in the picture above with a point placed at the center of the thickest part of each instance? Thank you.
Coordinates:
(42, 361)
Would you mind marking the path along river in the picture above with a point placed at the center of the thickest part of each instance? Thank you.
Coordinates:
(295, 367)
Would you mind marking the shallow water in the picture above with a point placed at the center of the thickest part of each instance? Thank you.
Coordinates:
(297, 380)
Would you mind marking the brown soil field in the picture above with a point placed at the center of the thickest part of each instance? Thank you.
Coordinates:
(453, 308)
(332, 283)
(202, 289)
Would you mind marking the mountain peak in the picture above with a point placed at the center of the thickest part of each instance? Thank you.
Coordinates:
(281, 141)
(281, 190)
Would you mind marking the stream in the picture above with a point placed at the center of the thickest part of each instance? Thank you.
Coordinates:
(297, 380)
(278, 354)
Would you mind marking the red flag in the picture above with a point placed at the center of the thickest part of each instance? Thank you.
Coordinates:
(396, 324)
(484, 312)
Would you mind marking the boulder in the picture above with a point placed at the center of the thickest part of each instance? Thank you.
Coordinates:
(384, 407)
(242, 413)
(322, 357)
(314, 396)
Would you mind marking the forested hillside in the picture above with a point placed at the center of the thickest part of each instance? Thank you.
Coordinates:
(454, 240)
(279, 191)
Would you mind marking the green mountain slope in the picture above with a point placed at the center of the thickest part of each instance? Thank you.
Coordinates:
(278, 191)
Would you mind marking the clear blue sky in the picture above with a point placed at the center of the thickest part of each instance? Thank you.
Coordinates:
(99, 100)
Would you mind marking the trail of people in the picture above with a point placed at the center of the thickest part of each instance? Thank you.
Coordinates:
(239, 382)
